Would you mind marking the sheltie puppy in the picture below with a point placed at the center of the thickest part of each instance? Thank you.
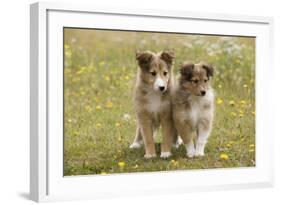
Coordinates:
(153, 101)
(193, 106)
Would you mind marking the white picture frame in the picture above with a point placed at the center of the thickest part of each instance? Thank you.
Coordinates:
(47, 182)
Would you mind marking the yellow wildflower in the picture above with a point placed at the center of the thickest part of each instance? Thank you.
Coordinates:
(98, 125)
(219, 101)
(98, 107)
(251, 150)
(231, 142)
(127, 77)
(243, 102)
(228, 145)
(231, 102)
(224, 156)
(81, 70)
(174, 162)
(107, 78)
(245, 85)
(219, 86)
(121, 164)
(254, 113)
(117, 124)
(252, 145)
(103, 173)
(109, 104)
(233, 114)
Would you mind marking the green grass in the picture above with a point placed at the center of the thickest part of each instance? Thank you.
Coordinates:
(99, 118)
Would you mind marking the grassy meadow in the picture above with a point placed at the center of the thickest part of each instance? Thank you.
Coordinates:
(99, 118)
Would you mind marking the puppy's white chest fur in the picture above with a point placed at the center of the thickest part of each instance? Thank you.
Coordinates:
(155, 103)
(194, 113)
(200, 107)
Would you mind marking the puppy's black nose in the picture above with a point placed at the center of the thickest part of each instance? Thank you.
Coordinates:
(203, 92)
(161, 88)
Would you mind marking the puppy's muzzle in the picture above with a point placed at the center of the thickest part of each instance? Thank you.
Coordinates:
(159, 85)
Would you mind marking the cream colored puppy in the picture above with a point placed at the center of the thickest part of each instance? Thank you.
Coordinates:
(153, 101)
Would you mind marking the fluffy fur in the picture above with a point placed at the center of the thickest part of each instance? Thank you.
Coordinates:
(193, 106)
(153, 101)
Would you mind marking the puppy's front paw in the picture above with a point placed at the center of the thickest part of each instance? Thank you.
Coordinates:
(199, 154)
(149, 156)
(165, 155)
(136, 145)
(190, 153)
(190, 150)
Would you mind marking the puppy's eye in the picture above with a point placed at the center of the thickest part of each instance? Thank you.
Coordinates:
(195, 81)
(205, 81)
(153, 73)
(165, 73)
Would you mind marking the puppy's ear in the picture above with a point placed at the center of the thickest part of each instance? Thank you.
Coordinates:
(209, 69)
(144, 59)
(168, 56)
(187, 70)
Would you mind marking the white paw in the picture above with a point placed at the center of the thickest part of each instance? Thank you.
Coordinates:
(165, 154)
(149, 156)
(199, 153)
(190, 150)
(190, 153)
(136, 145)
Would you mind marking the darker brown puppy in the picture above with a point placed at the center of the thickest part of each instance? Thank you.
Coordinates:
(193, 106)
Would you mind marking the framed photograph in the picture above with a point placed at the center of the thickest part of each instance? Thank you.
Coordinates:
(130, 102)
